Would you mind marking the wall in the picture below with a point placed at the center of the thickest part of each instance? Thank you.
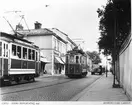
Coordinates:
(125, 67)
(41, 41)
(45, 45)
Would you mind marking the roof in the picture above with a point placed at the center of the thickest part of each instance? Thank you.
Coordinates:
(3, 34)
(34, 32)
(41, 32)
(76, 50)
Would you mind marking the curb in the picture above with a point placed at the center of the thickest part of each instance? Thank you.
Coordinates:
(79, 95)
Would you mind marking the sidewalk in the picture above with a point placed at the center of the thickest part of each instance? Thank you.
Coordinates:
(102, 90)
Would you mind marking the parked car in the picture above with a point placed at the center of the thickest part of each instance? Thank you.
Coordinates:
(97, 70)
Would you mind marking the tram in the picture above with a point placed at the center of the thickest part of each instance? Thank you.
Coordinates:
(76, 63)
(19, 59)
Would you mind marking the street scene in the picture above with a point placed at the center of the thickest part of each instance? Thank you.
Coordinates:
(55, 88)
(58, 50)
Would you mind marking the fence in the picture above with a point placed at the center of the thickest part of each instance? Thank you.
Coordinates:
(125, 66)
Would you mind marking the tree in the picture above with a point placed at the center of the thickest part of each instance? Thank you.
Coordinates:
(94, 56)
(116, 14)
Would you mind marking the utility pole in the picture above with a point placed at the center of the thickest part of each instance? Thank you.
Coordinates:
(114, 39)
(115, 48)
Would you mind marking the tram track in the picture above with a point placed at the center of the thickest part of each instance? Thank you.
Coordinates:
(59, 90)
(33, 88)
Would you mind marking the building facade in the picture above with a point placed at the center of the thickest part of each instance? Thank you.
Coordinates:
(53, 45)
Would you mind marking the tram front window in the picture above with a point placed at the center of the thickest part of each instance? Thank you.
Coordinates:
(77, 59)
(71, 59)
(0, 48)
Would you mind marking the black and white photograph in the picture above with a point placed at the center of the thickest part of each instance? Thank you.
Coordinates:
(65, 52)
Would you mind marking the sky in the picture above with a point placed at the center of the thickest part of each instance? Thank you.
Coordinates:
(77, 18)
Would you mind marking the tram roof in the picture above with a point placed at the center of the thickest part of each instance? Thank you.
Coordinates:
(13, 37)
(75, 51)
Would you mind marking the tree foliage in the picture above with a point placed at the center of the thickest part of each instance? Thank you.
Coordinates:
(94, 56)
(116, 14)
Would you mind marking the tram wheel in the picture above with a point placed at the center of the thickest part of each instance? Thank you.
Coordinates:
(70, 76)
(17, 79)
(33, 79)
(9, 83)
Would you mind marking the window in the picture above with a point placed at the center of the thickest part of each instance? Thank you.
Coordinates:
(55, 44)
(58, 45)
(19, 51)
(33, 55)
(36, 56)
(14, 50)
(24, 53)
(0, 48)
(29, 54)
(6, 50)
(80, 59)
(71, 59)
(77, 59)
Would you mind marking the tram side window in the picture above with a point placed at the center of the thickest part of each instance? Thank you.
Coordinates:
(24, 53)
(33, 55)
(80, 59)
(6, 50)
(29, 54)
(14, 50)
(0, 48)
(77, 59)
(36, 56)
(71, 59)
(19, 51)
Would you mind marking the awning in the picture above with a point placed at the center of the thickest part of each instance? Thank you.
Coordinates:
(42, 59)
(58, 60)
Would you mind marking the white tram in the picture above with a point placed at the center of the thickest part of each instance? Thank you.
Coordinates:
(19, 59)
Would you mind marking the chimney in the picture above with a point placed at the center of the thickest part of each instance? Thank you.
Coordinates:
(37, 25)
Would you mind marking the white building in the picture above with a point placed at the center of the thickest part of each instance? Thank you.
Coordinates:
(53, 44)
